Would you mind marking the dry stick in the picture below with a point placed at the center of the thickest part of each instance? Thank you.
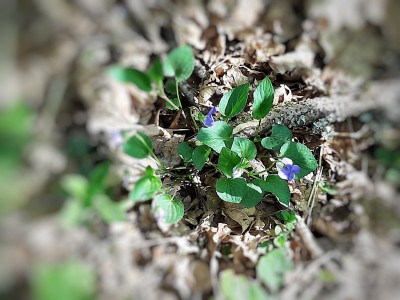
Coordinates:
(52, 105)
(214, 275)
(356, 135)
(305, 112)
(303, 277)
(308, 238)
(353, 142)
(313, 194)
(175, 121)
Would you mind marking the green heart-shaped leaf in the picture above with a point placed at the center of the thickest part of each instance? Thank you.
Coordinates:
(271, 268)
(217, 136)
(109, 211)
(200, 155)
(234, 287)
(138, 146)
(275, 185)
(263, 99)
(231, 189)
(168, 208)
(227, 161)
(234, 101)
(179, 63)
(244, 148)
(185, 151)
(155, 72)
(130, 75)
(301, 156)
(280, 135)
(252, 196)
(145, 188)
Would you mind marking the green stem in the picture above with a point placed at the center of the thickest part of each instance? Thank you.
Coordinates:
(194, 121)
(164, 96)
(258, 128)
(159, 163)
(263, 171)
(179, 98)
(177, 92)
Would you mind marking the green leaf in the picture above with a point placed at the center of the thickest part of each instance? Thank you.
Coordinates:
(227, 162)
(301, 156)
(170, 88)
(97, 181)
(170, 209)
(271, 268)
(289, 218)
(326, 188)
(16, 128)
(200, 155)
(175, 101)
(109, 211)
(75, 185)
(244, 148)
(155, 72)
(185, 151)
(138, 146)
(217, 136)
(280, 135)
(263, 99)
(231, 189)
(179, 63)
(145, 188)
(72, 213)
(234, 101)
(65, 281)
(252, 196)
(149, 171)
(277, 186)
(239, 287)
(130, 75)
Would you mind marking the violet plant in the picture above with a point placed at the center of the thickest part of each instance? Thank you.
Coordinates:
(233, 157)
(217, 149)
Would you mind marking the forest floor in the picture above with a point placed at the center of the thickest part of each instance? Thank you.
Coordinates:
(336, 77)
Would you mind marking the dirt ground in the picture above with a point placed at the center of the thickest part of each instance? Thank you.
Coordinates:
(335, 69)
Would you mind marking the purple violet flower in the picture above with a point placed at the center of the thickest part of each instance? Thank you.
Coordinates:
(287, 170)
(209, 120)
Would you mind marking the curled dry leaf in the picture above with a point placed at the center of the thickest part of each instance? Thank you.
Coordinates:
(234, 77)
(282, 94)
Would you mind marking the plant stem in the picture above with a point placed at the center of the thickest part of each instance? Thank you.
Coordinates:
(194, 121)
(177, 93)
(258, 127)
(263, 171)
(164, 96)
(159, 163)
(179, 98)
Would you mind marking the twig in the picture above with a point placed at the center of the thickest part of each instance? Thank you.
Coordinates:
(308, 238)
(313, 194)
(304, 276)
(214, 275)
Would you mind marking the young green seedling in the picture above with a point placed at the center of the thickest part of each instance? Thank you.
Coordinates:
(179, 65)
(149, 186)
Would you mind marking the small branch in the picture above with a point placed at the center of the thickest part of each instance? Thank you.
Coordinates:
(308, 238)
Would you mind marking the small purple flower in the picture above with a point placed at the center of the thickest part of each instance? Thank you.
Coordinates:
(209, 120)
(287, 170)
